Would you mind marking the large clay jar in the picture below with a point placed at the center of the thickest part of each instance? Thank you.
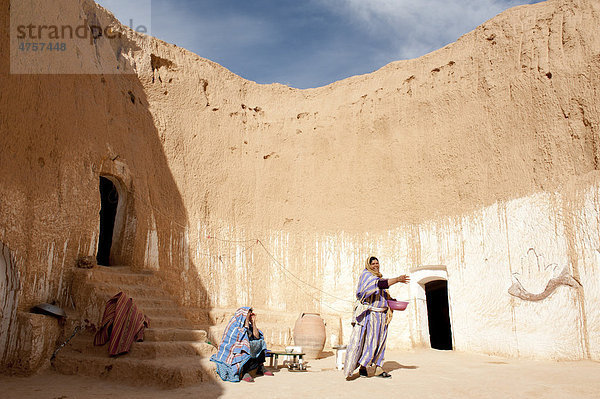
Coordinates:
(309, 333)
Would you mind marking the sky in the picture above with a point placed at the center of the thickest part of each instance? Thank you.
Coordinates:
(307, 43)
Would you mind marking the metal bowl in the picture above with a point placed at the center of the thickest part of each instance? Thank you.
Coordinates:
(49, 310)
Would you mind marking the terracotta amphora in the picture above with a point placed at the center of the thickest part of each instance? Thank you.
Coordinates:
(309, 333)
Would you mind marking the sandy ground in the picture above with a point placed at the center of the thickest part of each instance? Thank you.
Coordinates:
(420, 374)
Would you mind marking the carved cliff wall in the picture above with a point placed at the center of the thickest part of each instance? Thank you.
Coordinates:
(481, 157)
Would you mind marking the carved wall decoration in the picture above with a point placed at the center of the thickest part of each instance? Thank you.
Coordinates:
(564, 278)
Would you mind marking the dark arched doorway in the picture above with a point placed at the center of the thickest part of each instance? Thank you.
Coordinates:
(109, 200)
(438, 314)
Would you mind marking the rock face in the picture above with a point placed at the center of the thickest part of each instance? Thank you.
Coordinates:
(477, 164)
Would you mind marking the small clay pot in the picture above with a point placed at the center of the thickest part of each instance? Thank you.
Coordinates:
(309, 333)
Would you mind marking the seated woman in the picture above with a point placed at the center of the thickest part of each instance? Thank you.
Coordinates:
(242, 349)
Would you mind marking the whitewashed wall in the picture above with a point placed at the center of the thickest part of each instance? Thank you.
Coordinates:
(530, 239)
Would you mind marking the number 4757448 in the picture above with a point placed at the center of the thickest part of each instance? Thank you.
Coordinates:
(50, 46)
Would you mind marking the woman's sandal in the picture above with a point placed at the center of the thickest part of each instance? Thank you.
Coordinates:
(362, 372)
(384, 374)
(263, 371)
(248, 378)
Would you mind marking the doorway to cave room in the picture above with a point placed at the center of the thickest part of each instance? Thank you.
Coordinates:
(429, 287)
(109, 206)
(438, 315)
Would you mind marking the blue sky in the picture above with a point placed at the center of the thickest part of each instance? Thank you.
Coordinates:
(308, 43)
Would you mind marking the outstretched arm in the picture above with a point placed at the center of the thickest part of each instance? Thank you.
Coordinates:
(386, 283)
(400, 279)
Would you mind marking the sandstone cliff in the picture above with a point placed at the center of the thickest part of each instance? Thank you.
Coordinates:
(467, 157)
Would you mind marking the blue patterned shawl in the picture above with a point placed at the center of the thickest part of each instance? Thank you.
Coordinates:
(234, 350)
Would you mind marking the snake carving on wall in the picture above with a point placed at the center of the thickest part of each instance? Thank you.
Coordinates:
(564, 278)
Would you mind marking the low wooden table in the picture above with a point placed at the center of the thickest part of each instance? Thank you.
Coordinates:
(274, 355)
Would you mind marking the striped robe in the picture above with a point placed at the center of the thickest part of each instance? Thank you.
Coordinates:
(122, 324)
(369, 334)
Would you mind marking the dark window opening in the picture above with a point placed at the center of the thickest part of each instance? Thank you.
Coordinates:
(438, 314)
(109, 199)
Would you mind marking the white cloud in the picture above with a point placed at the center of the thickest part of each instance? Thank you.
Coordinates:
(418, 26)
(266, 45)
(208, 35)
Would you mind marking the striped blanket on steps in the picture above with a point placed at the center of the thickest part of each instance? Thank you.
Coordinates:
(122, 324)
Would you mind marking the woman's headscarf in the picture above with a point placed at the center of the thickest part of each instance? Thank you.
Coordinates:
(370, 268)
(234, 350)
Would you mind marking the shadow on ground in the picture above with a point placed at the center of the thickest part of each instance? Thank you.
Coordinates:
(391, 366)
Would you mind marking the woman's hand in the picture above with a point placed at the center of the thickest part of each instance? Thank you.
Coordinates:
(400, 279)
(252, 318)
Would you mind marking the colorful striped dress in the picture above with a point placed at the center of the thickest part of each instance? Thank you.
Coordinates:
(236, 348)
(369, 333)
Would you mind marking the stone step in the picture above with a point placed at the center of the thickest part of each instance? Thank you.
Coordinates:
(169, 322)
(214, 333)
(144, 349)
(165, 372)
(134, 291)
(163, 302)
(175, 334)
(121, 276)
(155, 350)
(161, 311)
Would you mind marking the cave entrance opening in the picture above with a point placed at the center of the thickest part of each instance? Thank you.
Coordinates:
(438, 314)
(109, 203)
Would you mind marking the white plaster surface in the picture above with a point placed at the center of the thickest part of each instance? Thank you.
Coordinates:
(483, 252)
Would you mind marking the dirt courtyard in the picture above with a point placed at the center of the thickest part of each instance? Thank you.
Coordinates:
(418, 374)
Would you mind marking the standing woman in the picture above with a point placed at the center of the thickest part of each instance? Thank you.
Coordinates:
(370, 321)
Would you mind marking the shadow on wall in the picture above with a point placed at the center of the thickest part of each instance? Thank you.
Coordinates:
(83, 125)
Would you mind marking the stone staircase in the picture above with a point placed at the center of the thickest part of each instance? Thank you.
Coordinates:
(174, 353)
(177, 345)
